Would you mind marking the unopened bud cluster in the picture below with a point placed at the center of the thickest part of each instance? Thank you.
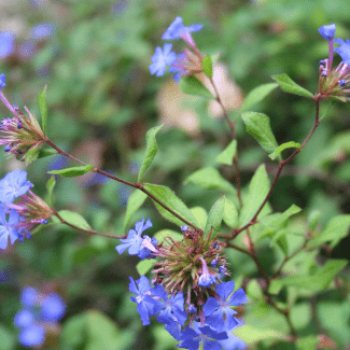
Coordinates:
(335, 82)
(21, 133)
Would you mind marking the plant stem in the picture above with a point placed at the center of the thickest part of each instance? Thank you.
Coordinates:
(280, 168)
(138, 186)
(233, 137)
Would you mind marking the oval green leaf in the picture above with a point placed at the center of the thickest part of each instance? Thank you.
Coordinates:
(207, 66)
(210, 179)
(72, 172)
(215, 216)
(169, 198)
(288, 85)
(281, 148)
(227, 155)
(192, 86)
(135, 201)
(258, 125)
(42, 103)
(151, 150)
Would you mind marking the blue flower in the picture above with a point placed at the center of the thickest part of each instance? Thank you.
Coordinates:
(327, 31)
(38, 310)
(174, 329)
(7, 43)
(172, 309)
(7, 228)
(205, 279)
(42, 31)
(23, 318)
(147, 247)
(192, 337)
(133, 242)
(27, 49)
(33, 335)
(177, 30)
(178, 67)
(13, 185)
(161, 59)
(2, 80)
(218, 312)
(29, 297)
(343, 50)
(232, 342)
(53, 308)
(146, 305)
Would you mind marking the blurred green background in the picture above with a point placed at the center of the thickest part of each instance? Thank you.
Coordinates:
(102, 100)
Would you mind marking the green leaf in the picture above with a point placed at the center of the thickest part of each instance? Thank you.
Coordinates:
(207, 66)
(318, 281)
(169, 198)
(135, 201)
(258, 190)
(308, 343)
(210, 179)
(257, 95)
(50, 185)
(215, 217)
(46, 152)
(312, 219)
(281, 148)
(227, 155)
(73, 333)
(288, 85)
(32, 155)
(277, 220)
(144, 266)
(102, 332)
(230, 214)
(253, 335)
(72, 172)
(74, 219)
(192, 86)
(336, 229)
(8, 339)
(201, 216)
(258, 125)
(151, 150)
(42, 103)
(160, 235)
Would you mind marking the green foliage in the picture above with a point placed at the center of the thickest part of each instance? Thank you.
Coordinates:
(192, 86)
(258, 125)
(227, 155)
(72, 172)
(281, 148)
(135, 201)
(42, 103)
(215, 217)
(210, 178)
(151, 150)
(288, 85)
(257, 95)
(74, 219)
(169, 198)
(207, 66)
(258, 189)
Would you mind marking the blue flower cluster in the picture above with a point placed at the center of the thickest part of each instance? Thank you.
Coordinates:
(39, 32)
(211, 321)
(38, 312)
(214, 326)
(164, 58)
(13, 185)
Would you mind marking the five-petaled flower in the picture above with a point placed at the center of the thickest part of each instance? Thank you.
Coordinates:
(161, 59)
